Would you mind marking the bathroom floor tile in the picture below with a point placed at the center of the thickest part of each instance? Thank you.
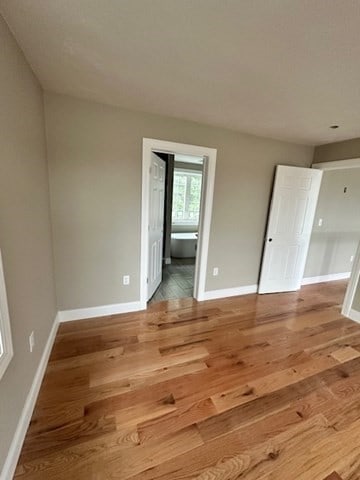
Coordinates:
(178, 280)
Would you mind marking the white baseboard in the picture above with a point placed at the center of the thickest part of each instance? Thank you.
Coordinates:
(325, 278)
(354, 315)
(229, 292)
(101, 311)
(16, 445)
(168, 261)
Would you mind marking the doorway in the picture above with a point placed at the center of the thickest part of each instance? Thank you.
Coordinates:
(312, 237)
(208, 156)
(335, 250)
(180, 221)
(335, 233)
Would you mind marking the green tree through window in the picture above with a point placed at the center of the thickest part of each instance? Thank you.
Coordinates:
(186, 196)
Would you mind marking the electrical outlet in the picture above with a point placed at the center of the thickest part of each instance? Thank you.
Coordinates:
(320, 222)
(351, 258)
(31, 341)
(126, 280)
(215, 271)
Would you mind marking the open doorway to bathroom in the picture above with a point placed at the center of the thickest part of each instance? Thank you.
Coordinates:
(154, 255)
(181, 216)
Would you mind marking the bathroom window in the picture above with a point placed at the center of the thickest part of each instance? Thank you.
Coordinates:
(6, 349)
(186, 197)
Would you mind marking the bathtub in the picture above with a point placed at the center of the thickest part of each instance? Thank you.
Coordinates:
(183, 245)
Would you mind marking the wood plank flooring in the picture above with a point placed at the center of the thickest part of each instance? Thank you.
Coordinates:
(253, 387)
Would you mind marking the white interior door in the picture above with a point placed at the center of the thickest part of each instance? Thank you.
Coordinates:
(291, 218)
(156, 223)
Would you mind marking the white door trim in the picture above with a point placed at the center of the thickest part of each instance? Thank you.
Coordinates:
(5, 328)
(149, 145)
(352, 285)
(338, 164)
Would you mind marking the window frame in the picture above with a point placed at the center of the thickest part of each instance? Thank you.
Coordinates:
(188, 172)
(6, 345)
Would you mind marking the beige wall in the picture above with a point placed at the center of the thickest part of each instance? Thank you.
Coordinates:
(25, 238)
(333, 243)
(95, 154)
(337, 151)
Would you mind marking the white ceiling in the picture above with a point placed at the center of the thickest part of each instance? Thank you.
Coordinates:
(286, 69)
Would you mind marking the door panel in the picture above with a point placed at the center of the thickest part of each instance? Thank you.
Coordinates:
(292, 212)
(156, 223)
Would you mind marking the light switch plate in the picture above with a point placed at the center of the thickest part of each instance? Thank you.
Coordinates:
(31, 341)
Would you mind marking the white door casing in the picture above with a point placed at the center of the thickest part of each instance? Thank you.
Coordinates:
(352, 285)
(6, 346)
(156, 223)
(209, 154)
(291, 218)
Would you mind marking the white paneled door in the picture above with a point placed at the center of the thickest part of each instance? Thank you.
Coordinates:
(156, 223)
(291, 218)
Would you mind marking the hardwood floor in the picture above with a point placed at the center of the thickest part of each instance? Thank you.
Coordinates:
(252, 387)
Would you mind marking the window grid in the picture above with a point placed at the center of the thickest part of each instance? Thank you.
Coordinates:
(186, 197)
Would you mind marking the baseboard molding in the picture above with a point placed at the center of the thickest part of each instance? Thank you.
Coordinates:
(101, 311)
(229, 292)
(26, 414)
(354, 315)
(168, 261)
(325, 278)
